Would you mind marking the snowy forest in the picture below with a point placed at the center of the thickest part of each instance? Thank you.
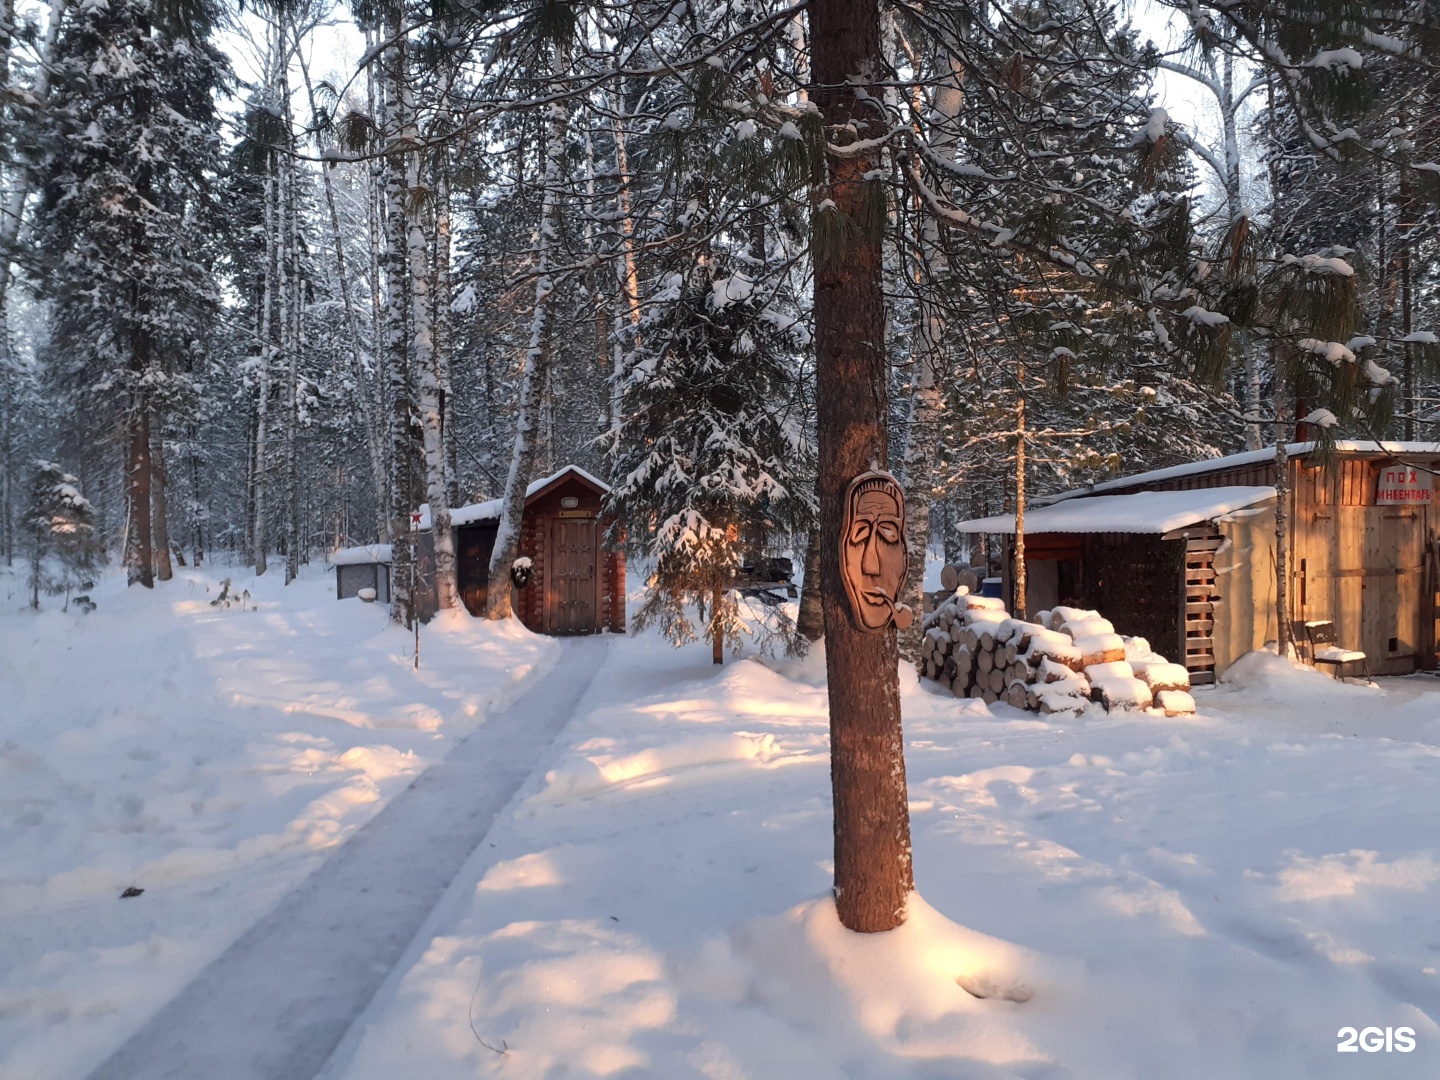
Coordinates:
(277, 274)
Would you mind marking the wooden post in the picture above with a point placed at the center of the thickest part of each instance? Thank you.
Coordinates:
(717, 628)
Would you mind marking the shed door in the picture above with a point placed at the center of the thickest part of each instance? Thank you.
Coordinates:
(570, 598)
(1395, 548)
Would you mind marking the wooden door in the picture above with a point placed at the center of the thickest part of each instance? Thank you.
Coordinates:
(572, 590)
(1395, 564)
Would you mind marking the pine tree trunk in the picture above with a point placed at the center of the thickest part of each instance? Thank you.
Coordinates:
(810, 624)
(536, 371)
(159, 492)
(196, 514)
(139, 550)
(873, 876)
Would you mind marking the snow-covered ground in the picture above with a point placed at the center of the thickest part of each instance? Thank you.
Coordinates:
(1104, 898)
(211, 756)
(1211, 897)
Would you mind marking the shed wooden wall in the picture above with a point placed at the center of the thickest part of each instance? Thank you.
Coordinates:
(1369, 569)
(1363, 566)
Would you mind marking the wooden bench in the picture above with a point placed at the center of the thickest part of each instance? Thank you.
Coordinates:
(1324, 650)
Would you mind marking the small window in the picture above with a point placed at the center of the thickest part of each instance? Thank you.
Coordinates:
(569, 502)
(1394, 644)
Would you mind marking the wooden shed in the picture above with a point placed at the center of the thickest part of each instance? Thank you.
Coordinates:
(1186, 556)
(576, 584)
(357, 568)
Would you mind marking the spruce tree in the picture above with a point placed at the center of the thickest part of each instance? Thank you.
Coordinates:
(59, 524)
(129, 151)
(710, 446)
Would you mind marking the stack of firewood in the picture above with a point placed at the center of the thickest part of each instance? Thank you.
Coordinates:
(1058, 663)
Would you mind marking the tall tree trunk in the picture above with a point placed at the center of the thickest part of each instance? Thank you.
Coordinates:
(159, 500)
(195, 505)
(358, 351)
(537, 364)
(139, 549)
(1282, 522)
(397, 360)
(627, 271)
(1022, 605)
(810, 624)
(8, 394)
(259, 478)
(927, 400)
(1405, 223)
(445, 338)
(14, 211)
(873, 875)
(428, 378)
(293, 341)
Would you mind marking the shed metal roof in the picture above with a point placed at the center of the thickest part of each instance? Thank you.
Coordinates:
(1152, 512)
(1248, 457)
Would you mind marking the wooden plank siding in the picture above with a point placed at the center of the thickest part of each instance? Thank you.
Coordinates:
(1372, 570)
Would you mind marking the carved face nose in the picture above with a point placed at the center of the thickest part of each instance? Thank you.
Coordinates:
(870, 558)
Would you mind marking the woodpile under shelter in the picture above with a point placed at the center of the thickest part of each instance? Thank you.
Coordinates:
(358, 568)
(573, 583)
(1186, 556)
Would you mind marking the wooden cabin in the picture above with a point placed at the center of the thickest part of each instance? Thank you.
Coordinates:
(357, 568)
(576, 585)
(1186, 556)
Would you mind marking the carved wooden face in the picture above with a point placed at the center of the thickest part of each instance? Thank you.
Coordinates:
(872, 551)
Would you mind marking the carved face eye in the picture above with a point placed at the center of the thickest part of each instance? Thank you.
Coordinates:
(860, 532)
(888, 531)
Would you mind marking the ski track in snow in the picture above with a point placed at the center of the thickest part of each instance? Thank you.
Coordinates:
(276, 1003)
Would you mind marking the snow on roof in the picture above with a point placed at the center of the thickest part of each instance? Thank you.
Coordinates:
(360, 556)
(1248, 457)
(489, 510)
(1151, 512)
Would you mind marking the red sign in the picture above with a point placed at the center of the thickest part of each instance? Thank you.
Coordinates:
(1402, 484)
